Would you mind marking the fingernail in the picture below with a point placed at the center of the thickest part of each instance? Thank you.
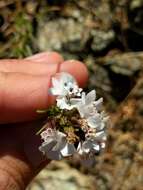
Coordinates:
(46, 57)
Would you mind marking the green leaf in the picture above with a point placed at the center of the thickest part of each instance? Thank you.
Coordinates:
(42, 111)
(41, 129)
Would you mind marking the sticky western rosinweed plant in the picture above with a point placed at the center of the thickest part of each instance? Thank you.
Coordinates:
(76, 125)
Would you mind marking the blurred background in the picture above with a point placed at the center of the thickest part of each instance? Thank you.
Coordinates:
(107, 35)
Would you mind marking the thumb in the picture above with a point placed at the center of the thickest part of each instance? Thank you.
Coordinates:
(22, 94)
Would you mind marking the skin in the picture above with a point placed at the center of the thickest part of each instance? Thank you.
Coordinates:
(24, 89)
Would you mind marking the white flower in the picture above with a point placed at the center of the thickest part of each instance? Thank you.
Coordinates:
(90, 147)
(87, 147)
(87, 150)
(65, 85)
(68, 150)
(95, 140)
(45, 134)
(101, 136)
(89, 98)
(64, 103)
(73, 89)
(88, 106)
(55, 145)
(96, 136)
(89, 132)
(97, 121)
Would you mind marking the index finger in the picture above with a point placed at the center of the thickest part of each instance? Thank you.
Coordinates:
(22, 94)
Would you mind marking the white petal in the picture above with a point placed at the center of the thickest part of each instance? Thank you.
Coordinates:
(105, 119)
(98, 104)
(55, 82)
(52, 147)
(100, 127)
(90, 97)
(52, 91)
(87, 146)
(58, 87)
(60, 135)
(103, 145)
(79, 148)
(66, 80)
(61, 141)
(96, 147)
(57, 91)
(62, 104)
(84, 111)
(94, 121)
(68, 150)
(66, 77)
(44, 135)
(101, 135)
(47, 146)
(81, 111)
(83, 98)
(75, 101)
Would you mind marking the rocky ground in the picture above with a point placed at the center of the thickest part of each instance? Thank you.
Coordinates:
(107, 35)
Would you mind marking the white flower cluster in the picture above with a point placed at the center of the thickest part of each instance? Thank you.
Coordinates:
(91, 138)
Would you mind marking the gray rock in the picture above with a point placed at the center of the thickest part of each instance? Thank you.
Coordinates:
(59, 175)
(135, 4)
(61, 34)
(101, 39)
(126, 64)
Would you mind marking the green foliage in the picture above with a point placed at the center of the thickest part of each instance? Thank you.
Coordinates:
(23, 37)
(52, 111)
(17, 32)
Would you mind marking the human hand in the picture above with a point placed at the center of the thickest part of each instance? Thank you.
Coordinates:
(24, 89)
